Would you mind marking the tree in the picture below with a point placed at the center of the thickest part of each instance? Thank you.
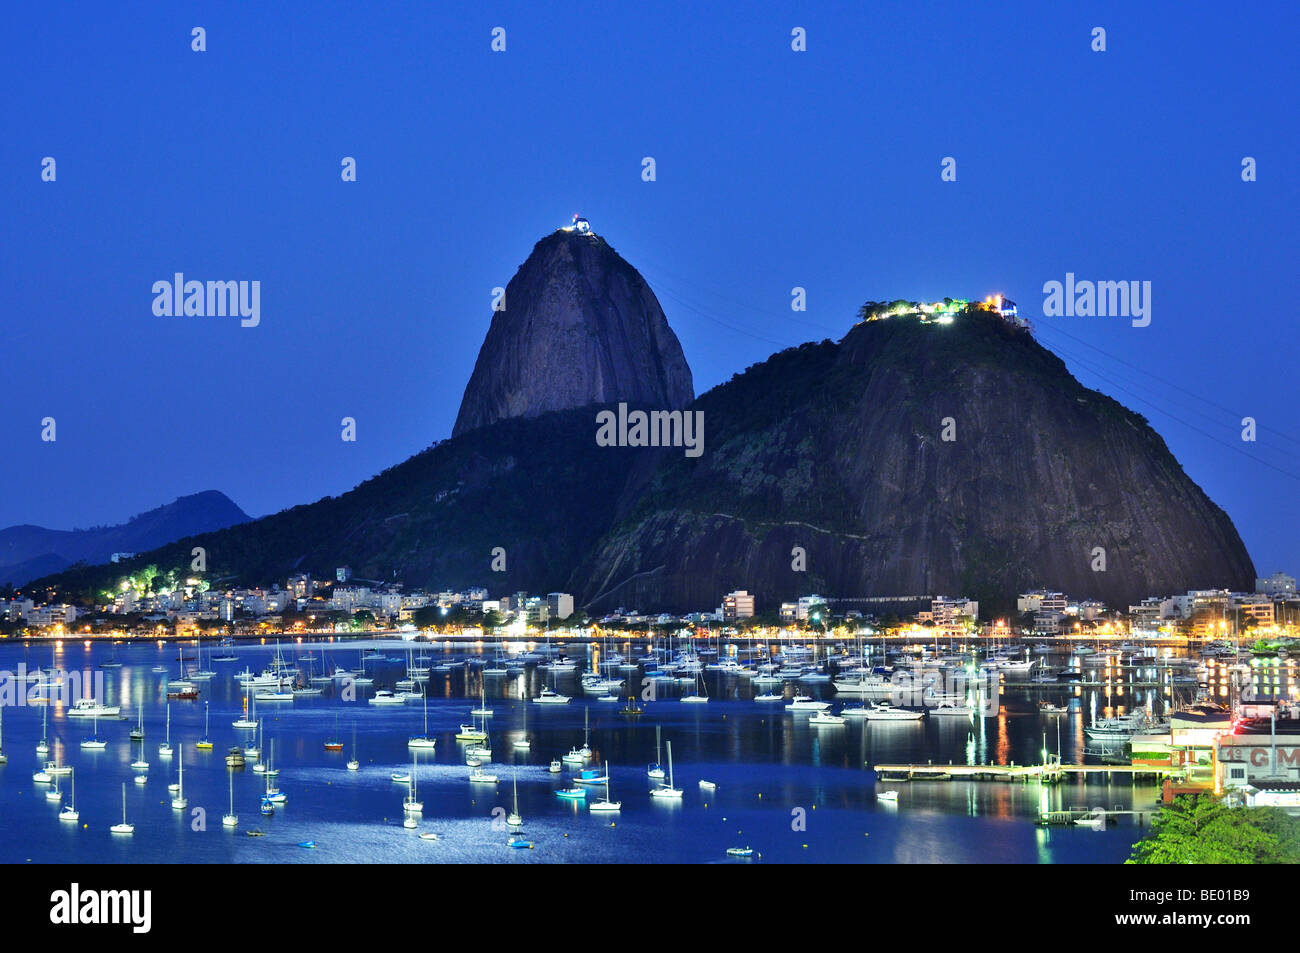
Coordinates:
(1201, 829)
(427, 617)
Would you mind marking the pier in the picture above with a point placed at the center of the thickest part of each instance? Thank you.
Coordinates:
(1048, 773)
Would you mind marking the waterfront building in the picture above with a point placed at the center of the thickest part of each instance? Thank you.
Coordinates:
(737, 605)
(560, 604)
(536, 610)
(809, 605)
(1262, 761)
(1041, 600)
(1278, 584)
(945, 611)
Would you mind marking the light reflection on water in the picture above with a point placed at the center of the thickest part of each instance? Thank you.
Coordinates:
(768, 765)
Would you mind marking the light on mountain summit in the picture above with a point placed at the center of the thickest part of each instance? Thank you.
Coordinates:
(580, 225)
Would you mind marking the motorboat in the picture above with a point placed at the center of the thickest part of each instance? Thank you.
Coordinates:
(887, 712)
(549, 697)
(1119, 728)
(90, 708)
(806, 703)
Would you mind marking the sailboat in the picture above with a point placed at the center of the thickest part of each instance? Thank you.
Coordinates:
(268, 806)
(244, 721)
(124, 827)
(332, 743)
(252, 750)
(605, 804)
(482, 708)
(70, 813)
(204, 744)
(43, 746)
(411, 805)
(139, 763)
(231, 819)
(51, 772)
(4, 758)
(696, 697)
(471, 732)
(262, 766)
(94, 742)
(179, 802)
(422, 740)
(656, 770)
(513, 819)
(668, 791)
(165, 749)
(202, 674)
(354, 764)
(275, 794)
(581, 755)
(137, 733)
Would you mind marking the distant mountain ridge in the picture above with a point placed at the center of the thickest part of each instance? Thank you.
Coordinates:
(28, 552)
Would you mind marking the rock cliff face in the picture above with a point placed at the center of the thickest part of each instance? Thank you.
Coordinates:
(580, 327)
(839, 449)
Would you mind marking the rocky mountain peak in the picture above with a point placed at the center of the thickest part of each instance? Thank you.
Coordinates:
(579, 326)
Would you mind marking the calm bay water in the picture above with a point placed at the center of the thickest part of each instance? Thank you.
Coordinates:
(770, 767)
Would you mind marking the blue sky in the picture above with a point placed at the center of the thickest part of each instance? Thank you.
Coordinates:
(775, 169)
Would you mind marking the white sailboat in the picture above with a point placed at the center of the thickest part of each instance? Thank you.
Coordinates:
(94, 742)
(354, 764)
(252, 750)
(179, 802)
(699, 695)
(422, 740)
(52, 773)
(583, 754)
(165, 749)
(412, 804)
(605, 805)
(668, 791)
(244, 721)
(70, 813)
(514, 819)
(655, 771)
(231, 819)
(4, 758)
(275, 794)
(482, 708)
(43, 746)
(124, 827)
(139, 764)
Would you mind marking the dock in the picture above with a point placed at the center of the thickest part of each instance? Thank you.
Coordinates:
(1048, 773)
